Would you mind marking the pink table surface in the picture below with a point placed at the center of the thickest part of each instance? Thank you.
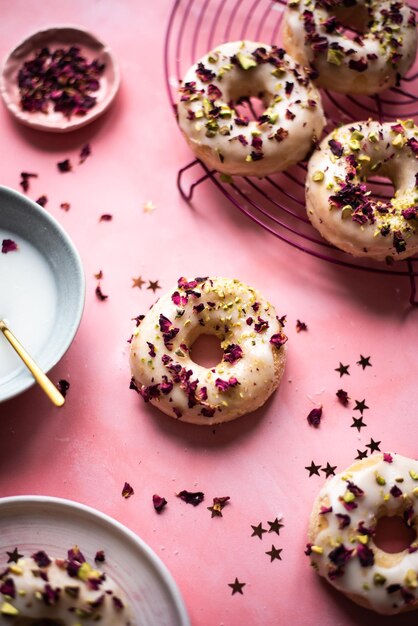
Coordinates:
(105, 435)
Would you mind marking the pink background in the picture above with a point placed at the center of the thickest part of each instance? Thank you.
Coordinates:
(105, 435)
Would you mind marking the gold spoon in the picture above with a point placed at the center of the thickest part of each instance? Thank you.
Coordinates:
(41, 378)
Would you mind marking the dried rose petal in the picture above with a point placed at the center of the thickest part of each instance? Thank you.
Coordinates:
(8, 245)
(232, 353)
(64, 166)
(342, 397)
(395, 491)
(387, 457)
(158, 502)
(8, 588)
(314, 417)
(106, 217)
(41, 559)
(65, 206)
(300, 326)
(343, 520)
(277, 340)
(127, 491)
(336, 147)
(218, 504)
(100, 295)
(42, 200)
(191, 497)
(354, 489)
(51, 596)
(117, 603)
(84, 152)
(100, 556)
(340, 555)
(25, 176)
(365, 556)
(63, 386)
(224, 385)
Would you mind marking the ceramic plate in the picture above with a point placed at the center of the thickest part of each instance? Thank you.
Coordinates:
(58, 37)
(55, 525)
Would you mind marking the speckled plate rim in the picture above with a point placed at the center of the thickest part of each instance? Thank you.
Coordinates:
(33, 42)
(27, 380)
(64, 507)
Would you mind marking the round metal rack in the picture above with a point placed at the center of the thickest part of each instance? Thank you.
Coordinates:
(277, 203)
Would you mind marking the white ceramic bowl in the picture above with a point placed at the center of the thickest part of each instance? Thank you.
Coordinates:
(27, 222)
(52, 524)
(62, 36)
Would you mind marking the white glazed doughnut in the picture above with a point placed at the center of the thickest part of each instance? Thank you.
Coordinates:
(40, 590)
(283, 135)
(251, 337)
(342, 527)
(337, 200)
(382, 52)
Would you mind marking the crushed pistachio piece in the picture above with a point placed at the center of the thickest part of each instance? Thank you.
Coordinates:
(413, 475)
(85, 571)
(399, 141)
(346, 211)
(335, 56)
(349, 497)
(411, 579)
(380, 480)
(357, 135)
(379, 579)
(364, 539)
(213, 57)
(8, 609)
(226, 178)
(318, 176)
(246, 62)
(373, 137)
(317, 550)
(355, 145)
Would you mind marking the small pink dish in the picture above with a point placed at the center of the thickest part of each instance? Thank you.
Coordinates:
(53, 38)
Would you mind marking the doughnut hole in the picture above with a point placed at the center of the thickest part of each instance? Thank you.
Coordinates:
(250, 98)
(392, 535)
(251, 107)
(206, 351)
(381, 188)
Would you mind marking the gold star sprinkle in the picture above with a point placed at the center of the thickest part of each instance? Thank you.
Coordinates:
(153, 285)
(138, 282)
(149, 207)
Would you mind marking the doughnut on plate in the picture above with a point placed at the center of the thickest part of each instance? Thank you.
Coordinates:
(54, 525)
(55, 37)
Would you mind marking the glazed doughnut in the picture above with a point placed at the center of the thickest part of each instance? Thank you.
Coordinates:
(39, 589)
(251, 336)
(383, 50)
(343, 523)
(337, 200)
(225, 141)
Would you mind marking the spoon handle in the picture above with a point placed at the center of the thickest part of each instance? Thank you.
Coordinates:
(41, 378)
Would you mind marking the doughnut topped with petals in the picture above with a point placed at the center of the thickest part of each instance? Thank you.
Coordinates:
(382, 51)
(251, 337)
(343, 525)
(338, 202)
(224, 140)
(40, 589)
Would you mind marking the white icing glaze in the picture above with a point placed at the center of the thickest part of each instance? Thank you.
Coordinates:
(313, 40)
(250, 334)
(30, 603)
(376, 477)
(384, 150)
(263, 148)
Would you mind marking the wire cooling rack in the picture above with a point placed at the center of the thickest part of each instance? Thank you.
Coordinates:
(277, 203)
